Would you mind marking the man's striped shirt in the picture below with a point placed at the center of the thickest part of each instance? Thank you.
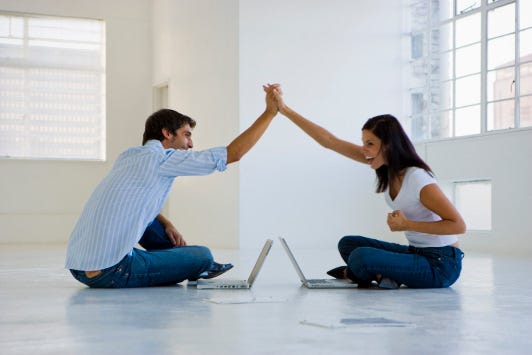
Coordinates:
(129, 198)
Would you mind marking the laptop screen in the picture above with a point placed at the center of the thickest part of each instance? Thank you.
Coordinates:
(293, 260)
(265, 250)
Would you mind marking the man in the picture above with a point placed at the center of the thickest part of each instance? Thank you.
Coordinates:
(124, 208)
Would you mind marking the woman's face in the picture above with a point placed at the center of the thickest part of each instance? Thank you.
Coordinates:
(372, 149)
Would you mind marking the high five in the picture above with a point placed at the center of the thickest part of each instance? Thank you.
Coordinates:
(419, 208)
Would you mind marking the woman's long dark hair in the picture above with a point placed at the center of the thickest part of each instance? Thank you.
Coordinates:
(396, 147)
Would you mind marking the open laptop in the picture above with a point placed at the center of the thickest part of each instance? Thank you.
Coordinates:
(315, 283)
(227, 283)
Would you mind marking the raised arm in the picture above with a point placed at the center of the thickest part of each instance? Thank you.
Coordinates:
(318, 133)
(247, 139)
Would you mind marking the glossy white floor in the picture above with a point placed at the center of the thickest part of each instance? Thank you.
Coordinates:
(45, 311)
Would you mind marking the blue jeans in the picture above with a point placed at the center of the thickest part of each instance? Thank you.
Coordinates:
(414, 267)
(160, 265)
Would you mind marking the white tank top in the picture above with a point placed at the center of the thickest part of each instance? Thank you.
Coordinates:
(407, 200)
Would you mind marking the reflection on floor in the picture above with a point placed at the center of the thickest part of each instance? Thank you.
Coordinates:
(45, 311)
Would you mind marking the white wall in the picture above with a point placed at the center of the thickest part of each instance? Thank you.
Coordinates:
(41, 200)
(338, 63)
(196, 52)
(504, 158)
(216, 55)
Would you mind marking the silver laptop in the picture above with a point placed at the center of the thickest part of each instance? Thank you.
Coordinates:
(227, 283)
(315, 283)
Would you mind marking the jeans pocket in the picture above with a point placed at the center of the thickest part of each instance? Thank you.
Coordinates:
(120, 278)
(103, 280)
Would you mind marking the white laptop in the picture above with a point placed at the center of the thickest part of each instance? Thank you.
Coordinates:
(315, 283)
(227, 283)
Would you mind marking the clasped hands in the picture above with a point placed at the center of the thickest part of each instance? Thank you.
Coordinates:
(274, 101)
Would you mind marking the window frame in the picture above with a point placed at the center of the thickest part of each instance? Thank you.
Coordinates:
(423, 121)
(465, 213)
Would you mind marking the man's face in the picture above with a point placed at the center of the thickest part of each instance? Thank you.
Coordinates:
(181, 139)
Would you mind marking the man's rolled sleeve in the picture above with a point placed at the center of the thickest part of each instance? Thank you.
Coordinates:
(193, 163)
(220, 155)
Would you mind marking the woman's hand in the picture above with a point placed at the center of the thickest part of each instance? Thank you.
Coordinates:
(271, 102)
(397, 221)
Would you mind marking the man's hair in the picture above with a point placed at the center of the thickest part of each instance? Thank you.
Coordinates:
(164, 118)
(396, 147)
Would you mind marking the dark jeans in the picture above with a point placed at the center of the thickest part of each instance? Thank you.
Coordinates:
(161, 264)
(407, 265)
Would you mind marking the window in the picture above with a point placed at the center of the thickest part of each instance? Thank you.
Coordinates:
(470, 66)
(52, 87)
(473, 200)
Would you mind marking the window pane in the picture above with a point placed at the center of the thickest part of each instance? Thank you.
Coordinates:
(525, 14)
(501, 115)
(446, 92)
(420, 127)
(468, 90)
(446, 95)
(441, 124)
(526, 78)
(525, 45)
(468, 60)
(445, 69)
(443, 9)
(52, 85)
(418, 103)
(467, 121)
(501, 84)
(463, 6)
(11, 38)
(419, 15)
(501, 21)
(417, 76)
(419, 119)
(526, 111)
(501, 51)
(11, 27)
(468, 30)
(434, 92)
(473, 200)
(446, 37)
(416, 45)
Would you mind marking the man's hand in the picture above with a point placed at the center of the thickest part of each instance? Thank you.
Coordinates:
(397, 221)
(247, 139)
(175, 237)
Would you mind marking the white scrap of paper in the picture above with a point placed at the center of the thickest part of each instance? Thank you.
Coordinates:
(243, 300)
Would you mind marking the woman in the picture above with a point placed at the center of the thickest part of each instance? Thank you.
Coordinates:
(419, 208)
